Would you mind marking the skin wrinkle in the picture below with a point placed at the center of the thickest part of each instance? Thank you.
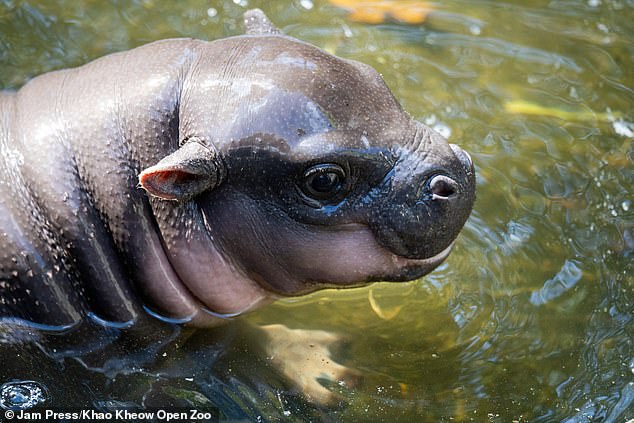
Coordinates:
(48, 238)
(200, 267)
(195, 318)
(190, 71)
(236, 272)
(185, 305)
(232, 266)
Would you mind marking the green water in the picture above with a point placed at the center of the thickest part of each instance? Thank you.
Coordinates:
(530, 319)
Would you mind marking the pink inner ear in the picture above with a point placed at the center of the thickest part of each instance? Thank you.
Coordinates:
(169, 184)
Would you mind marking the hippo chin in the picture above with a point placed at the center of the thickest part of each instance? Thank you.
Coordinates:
(268, 168)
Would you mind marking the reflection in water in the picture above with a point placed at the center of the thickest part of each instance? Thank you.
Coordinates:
(150, 365)
(553, 288)
(531, 317)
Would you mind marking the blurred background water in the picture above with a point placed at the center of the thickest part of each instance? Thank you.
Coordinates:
(530, 319)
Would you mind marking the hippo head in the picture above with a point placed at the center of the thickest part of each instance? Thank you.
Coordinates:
(307, 172)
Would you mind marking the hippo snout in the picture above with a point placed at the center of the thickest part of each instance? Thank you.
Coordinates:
(432, 192)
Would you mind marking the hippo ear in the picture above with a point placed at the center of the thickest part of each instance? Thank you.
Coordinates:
(185, 173)
(256, 23)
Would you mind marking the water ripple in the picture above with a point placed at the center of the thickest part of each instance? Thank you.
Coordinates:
(564, 280)
(504, 48)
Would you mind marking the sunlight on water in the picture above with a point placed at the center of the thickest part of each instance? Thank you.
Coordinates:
(22, 395)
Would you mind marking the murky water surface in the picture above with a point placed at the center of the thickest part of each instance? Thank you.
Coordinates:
(530, 319)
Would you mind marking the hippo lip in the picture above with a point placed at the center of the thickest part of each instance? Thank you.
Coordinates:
(430, 262)
(415, 268)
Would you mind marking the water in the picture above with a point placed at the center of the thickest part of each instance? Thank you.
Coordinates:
(22, 395)
(530, 319)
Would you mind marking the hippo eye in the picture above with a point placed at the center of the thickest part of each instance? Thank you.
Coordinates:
(323, 181)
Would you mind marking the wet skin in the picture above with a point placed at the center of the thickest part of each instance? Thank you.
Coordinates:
(268, 166)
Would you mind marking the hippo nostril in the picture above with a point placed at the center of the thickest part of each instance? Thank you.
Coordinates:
(442, 187)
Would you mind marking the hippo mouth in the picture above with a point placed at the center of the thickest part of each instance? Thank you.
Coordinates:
(413, 268)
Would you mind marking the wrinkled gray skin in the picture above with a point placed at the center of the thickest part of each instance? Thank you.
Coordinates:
(270, 168)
